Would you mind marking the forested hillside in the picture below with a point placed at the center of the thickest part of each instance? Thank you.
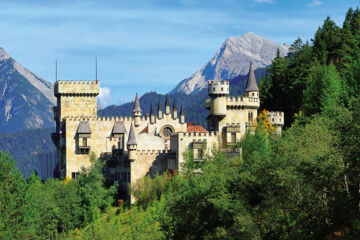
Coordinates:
(24, 147)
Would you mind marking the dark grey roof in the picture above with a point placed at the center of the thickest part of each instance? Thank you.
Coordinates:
(84, 127)
(137, 107)
(159, 107)
(132, 139)
(151, 109)
(119, 128)
(174, 106)
(181, 110)
(167, 100)
(251, 81)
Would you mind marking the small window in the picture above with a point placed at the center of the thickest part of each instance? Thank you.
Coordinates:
(253, 94)
(222, 89)
(213, 89)
(250, 117)
(74, 175)
(233, 137)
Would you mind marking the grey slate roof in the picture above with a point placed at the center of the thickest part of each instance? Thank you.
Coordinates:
(181, 110)
(174, 106)
(137, 107)
(131, 139)
(251, 81)
(159, 107)
(84, 128)
(151, 109)
(167, 100)
(119, 128)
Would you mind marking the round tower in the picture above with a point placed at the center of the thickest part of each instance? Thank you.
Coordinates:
(137, 111)
(218, 92)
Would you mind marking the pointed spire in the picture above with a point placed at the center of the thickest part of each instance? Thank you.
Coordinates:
(132, 139)
(181, 110)
(137, 107)
(174, 106)
(251, 81)
(167, 100)
(159, 107)
(151, 110)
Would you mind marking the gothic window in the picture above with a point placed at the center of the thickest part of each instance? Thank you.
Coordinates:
(167, 132)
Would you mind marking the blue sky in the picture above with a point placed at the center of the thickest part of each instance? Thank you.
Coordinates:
(145, 45)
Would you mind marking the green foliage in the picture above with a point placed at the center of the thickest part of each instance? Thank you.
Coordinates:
(323, 90)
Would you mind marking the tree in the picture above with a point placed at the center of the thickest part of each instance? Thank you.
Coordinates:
(13, 224)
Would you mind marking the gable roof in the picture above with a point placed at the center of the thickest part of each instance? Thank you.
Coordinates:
(119, 128)
(84, 128)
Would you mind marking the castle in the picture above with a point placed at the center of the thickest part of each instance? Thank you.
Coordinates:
(146, 145)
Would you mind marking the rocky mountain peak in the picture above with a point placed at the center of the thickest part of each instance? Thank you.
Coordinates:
(3, 54)
(231, 60)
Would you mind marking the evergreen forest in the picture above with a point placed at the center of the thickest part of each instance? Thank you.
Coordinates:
(303, 184)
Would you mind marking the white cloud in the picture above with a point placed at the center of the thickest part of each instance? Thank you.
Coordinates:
(264, 1)
(315, 3)
(105, 96)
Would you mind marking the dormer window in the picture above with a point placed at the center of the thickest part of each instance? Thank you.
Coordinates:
(83, 133)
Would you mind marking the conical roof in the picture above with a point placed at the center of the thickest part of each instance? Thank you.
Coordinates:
(174, 106)
(251, 81)
(151, 110)
(159, 107)
(132, 138)
(181, 110)
(137, 107)
(167, 100)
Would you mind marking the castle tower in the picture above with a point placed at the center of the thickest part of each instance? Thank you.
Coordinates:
(137, 111)
(174, 111)
(75, 99)
(218, 92)
(160, 113)
(251, 89)
(132, 144)
(167, 105)
(152, 115)
(182, 116)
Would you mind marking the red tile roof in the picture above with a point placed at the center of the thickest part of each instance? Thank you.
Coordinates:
(195, 128)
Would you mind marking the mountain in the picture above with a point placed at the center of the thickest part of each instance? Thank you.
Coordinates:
(231, 60)
(26, 100)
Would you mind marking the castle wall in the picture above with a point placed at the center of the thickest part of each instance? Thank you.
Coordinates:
(180, 142)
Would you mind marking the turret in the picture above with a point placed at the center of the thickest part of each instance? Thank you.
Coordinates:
(174, 111)
(160, 113)
(152, 115)
(137, 111)
(132, 144)
(167, 105)
(182, 115)
(218, 92)
(251, 89)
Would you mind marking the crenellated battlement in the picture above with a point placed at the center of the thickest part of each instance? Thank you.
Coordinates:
(198, 134)
(153, 152)
(216, 82)
(218, 88)
(243, 101)
(103, 119)
(77, 87)
(233, 125)
(276, 118)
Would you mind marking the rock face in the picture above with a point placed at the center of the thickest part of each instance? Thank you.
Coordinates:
(26, 100)
(231, 60)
